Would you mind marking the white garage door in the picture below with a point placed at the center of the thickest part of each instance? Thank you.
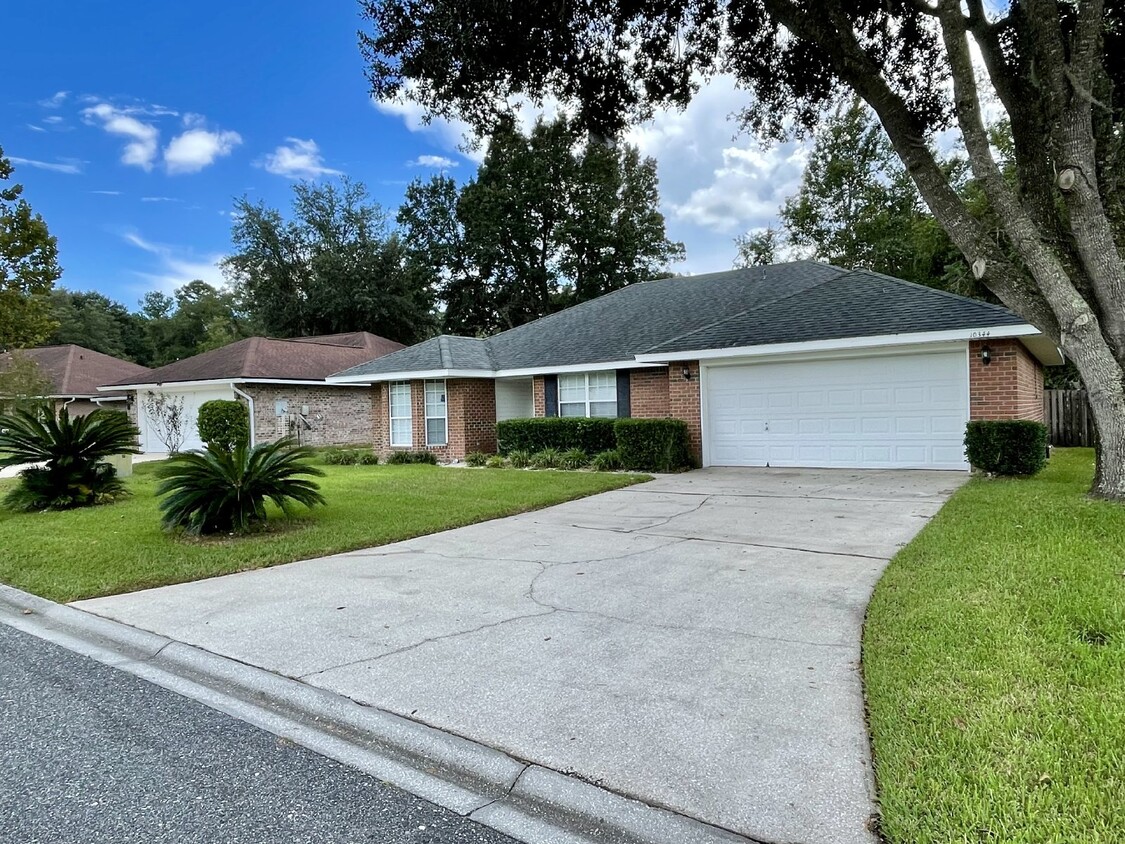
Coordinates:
(151, 439)
(902, 411)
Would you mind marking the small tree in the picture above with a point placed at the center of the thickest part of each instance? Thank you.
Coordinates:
(165, 415)
(22, 385)
(224, 423)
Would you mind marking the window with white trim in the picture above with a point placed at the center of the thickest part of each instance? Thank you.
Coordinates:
(588, 394)
(401, 423)
(437, 426)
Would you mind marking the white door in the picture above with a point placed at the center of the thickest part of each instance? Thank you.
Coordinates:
(151, 439)
(890, 411)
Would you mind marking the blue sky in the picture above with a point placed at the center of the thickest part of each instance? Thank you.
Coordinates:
(134, 126)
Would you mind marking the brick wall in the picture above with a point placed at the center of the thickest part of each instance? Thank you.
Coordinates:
(470, 405)
(684, 403)
(539, 396)
(1010, 387)
(337, 415)
(648, 392)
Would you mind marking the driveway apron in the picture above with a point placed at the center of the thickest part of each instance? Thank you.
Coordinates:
(692, 642)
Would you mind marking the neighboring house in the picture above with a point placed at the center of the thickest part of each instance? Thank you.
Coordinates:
(798, 364)
(76, 374)
(283, 382)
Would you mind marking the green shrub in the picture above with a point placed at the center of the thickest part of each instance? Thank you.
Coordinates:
(349, 457)
(653, 445)
(607, 461)
(561, 433)
(406, 457)
(573, 458)
(72, 450)
(216, 490)
(496, 462)
(476, 459)
(224, 422)
(335, 456)
(520, 458)
(547, 458)
(366, 457)
(1012, 447)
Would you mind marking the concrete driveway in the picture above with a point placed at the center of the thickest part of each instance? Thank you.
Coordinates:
(692, 642)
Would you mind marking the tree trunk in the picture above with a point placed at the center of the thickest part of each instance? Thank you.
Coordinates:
(1107, 401)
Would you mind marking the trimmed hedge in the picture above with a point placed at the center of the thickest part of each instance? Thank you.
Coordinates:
(399, 458)
(1014, 447)
(562, 433)
(653, 445)
(224, 423)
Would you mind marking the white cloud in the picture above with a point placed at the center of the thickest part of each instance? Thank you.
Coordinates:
(55, 100)
(71, 166)
(54, 119)
(439, 162)
(140, 151)
(35, 128)
(160, 199)
(195, 149)
(297, 159)
(107, 192)
(176, 266)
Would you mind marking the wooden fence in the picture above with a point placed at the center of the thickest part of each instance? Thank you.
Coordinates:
(1068, 417)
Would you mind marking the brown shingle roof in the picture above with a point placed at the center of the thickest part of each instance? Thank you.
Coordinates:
(299, 359)
(77, 371)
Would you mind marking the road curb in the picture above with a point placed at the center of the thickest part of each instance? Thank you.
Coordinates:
(526, 801)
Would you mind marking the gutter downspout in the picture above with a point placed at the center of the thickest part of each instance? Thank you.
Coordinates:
(250, 401)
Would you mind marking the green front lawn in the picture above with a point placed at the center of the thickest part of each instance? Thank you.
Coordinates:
(994, 663)
(120, 547)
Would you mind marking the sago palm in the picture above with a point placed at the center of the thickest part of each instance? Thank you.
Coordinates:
(217, 490)
(72, 451)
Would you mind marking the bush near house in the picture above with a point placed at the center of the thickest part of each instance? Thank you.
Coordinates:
(1011, 448)
(220, 490)
(224, 422)
(400, 458)
(72, 451)
(653, 445)
(560, 433)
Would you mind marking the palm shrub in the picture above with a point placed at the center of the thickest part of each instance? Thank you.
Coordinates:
(72, 451)
(217, 490)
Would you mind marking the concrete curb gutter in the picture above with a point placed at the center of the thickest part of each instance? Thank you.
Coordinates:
(526, 801)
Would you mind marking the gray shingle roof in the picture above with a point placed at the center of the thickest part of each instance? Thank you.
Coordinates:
(781, 303)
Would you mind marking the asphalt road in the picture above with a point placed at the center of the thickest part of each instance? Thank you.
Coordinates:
(91, 754)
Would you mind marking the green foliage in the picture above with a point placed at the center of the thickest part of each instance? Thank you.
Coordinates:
(28, 268)
(520, 458)
(412, 457)
(72, 450)
(546, 458)
(573, 458)
(335, 266)
(589, 435)
(22, 384)
(476, 459)
(1011, 447)
(607, 461)
(653, 445)
(197, 317)
(495, 461)
(224, 423)
(757, 248)
(552, 218)
(349, 457)
(217, 490)
(96, 322)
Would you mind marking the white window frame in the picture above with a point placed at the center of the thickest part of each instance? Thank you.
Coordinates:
(586, 402)
(444, 406)
(409, 417)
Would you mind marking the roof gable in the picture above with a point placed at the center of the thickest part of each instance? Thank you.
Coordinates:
(78, 371)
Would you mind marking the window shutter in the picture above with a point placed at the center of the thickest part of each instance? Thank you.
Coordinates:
(624, 411)
(551, 395)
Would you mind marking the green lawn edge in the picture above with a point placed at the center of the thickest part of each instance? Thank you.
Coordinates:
(115, 548)
(994, 667)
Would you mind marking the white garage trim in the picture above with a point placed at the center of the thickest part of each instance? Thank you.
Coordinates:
(900, 408)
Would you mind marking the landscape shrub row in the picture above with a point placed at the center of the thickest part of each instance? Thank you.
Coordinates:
(648, 445)
(1014, 447)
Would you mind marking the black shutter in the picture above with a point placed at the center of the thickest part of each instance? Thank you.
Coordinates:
(551, 395)
(624, 411)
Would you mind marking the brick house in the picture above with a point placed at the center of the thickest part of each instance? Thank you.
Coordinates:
(797, 364)
(281, 381)
(75, 374)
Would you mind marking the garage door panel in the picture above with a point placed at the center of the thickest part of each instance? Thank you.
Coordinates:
(886, 411)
